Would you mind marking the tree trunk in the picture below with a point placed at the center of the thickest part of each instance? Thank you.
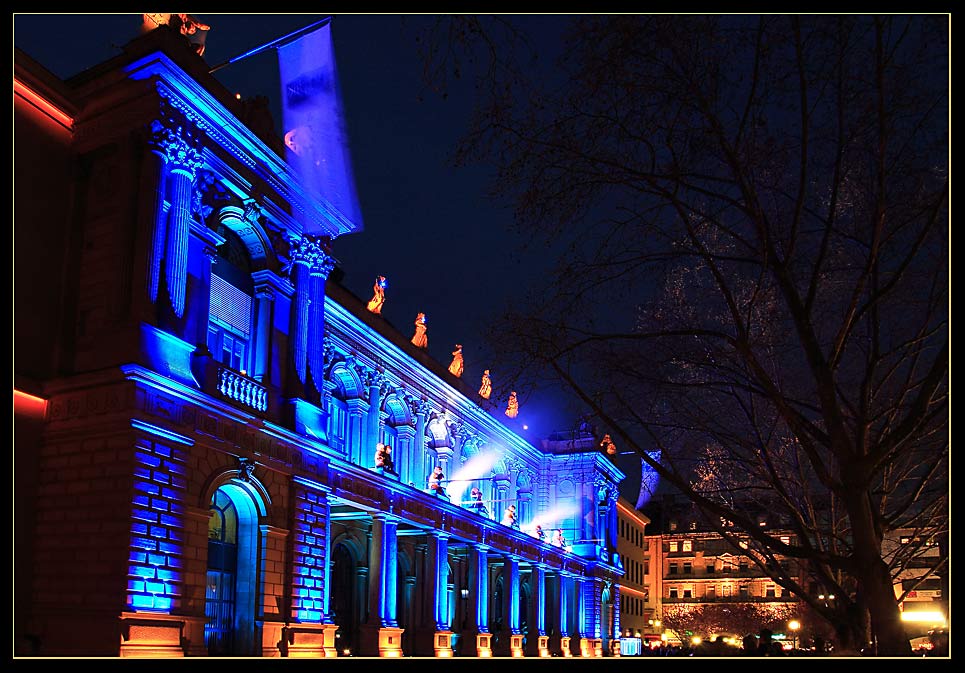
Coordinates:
(874, 579)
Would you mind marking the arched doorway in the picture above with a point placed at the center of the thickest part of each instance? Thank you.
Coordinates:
(231, 583)
(608, 615)
(345, 598)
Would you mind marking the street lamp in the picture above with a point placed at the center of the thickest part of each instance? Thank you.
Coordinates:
(794, 625)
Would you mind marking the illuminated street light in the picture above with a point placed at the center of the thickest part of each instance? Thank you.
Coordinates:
(794, 625)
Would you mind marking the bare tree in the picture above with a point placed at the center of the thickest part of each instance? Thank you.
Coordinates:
(751, 220)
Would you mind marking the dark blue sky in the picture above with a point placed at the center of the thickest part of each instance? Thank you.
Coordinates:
(446, 249)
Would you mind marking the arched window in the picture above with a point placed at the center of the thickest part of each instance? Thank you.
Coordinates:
(222, 575)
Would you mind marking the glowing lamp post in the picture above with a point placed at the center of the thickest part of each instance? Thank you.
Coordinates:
(794, 625)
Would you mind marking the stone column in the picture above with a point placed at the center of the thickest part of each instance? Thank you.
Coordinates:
(381, 635)
(375, 382)
(438, 581)
(302, 253)
(184, 159)
(322, 265)
(511, 605)
(479, 597)
(420, 409)
(582, 626)
(261, 358)
(154, 186)
(565, 624)
(537, 640)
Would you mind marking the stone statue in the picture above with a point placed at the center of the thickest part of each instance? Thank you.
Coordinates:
(607, 445)
(419, 339)
(486, 389)
(456, 366)
(375, 304)
(512, 408)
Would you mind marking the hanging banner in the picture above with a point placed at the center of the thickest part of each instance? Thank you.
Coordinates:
(316, 141)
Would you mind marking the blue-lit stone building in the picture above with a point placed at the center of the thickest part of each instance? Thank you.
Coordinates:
(197, 404)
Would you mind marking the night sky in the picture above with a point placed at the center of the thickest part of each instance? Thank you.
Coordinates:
(444, 246)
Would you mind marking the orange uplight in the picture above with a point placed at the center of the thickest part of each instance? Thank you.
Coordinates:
(632, 592)
(633, 514)
(42, 104)
(28, 405)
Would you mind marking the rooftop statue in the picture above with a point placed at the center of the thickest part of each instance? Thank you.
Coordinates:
(512, 407)
(419, 339)
(456, 366)
(486, 389)
(378, 299)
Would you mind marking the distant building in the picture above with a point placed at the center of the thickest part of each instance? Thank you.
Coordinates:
(924, 587)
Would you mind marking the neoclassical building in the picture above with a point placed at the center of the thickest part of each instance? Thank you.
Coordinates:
(198, 402)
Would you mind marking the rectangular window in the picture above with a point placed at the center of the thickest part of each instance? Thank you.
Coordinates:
(673, 568)
(744, 591)
(688, 545)
(673, 592)
(673, 546)
(229, 324)
(688, 592)
(711, 591)
(743, 566)
(770, 592)
(728, 590)
(688, 568)
(337, 424)
(673, 525)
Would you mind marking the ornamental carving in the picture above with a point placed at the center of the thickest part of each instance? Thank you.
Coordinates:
(180, 144)
(312, 252)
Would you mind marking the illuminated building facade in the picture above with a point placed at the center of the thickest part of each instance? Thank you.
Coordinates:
(198, 403)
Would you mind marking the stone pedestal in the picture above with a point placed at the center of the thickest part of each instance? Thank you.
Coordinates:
(390, 642)
(442, 644)
(516, 645)
(484, 645)
(616, 647)
(153, 636)
(596, 647)
(586, 647)
(311, 641)
(565, 647)
(272, 636)
(543, 646)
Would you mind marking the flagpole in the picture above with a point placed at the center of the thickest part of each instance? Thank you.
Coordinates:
(280, 42)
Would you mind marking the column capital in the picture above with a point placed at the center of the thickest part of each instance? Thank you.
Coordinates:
(179, 142)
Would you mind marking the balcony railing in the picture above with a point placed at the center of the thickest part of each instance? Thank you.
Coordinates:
(241, 389)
